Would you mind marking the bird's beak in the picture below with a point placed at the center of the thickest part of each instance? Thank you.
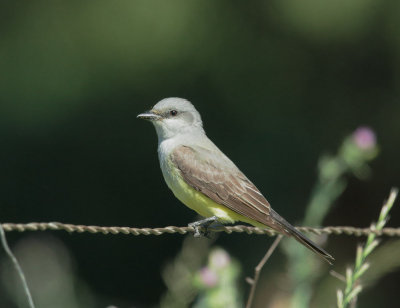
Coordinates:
(149, 115)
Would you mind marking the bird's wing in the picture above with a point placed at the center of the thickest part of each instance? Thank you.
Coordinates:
(213, 174)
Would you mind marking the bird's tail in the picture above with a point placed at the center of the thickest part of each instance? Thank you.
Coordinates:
(288, 229)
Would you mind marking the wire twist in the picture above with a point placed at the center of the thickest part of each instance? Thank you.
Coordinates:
(44, 226)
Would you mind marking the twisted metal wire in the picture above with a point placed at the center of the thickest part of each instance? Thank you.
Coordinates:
(339, 230)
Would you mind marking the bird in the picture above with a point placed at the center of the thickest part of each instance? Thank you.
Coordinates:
(204, 179)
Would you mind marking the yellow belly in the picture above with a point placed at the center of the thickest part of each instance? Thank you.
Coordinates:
(199, 202)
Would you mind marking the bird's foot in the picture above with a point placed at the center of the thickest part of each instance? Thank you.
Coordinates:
(201, 227)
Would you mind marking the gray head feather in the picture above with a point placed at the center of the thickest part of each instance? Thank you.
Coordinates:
(178, 116)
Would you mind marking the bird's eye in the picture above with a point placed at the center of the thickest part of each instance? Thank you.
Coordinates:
(173, 112)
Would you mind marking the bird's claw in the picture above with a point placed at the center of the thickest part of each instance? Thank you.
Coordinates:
(201, 227)
(199, 231)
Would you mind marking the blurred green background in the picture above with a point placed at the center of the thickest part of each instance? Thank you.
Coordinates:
(278, 83)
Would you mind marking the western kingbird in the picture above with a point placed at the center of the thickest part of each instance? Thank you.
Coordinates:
(205, 179)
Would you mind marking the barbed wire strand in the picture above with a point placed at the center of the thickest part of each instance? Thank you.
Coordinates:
(71, 228)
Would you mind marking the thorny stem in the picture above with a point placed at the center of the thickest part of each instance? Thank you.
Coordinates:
(17, 267)
(253, 281)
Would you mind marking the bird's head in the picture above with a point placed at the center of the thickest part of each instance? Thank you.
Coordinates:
(173, 116)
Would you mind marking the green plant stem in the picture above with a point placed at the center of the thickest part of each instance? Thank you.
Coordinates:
(353, 288)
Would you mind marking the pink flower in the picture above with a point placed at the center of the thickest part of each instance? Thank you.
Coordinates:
(208, 277)
(364, 137)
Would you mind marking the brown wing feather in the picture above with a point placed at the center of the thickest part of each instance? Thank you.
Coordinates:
(224, 184)
(220, 180)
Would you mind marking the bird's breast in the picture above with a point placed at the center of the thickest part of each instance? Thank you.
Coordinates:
(191, 197)
(183, 191)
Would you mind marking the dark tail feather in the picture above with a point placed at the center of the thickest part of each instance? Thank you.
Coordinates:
(290, 230)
